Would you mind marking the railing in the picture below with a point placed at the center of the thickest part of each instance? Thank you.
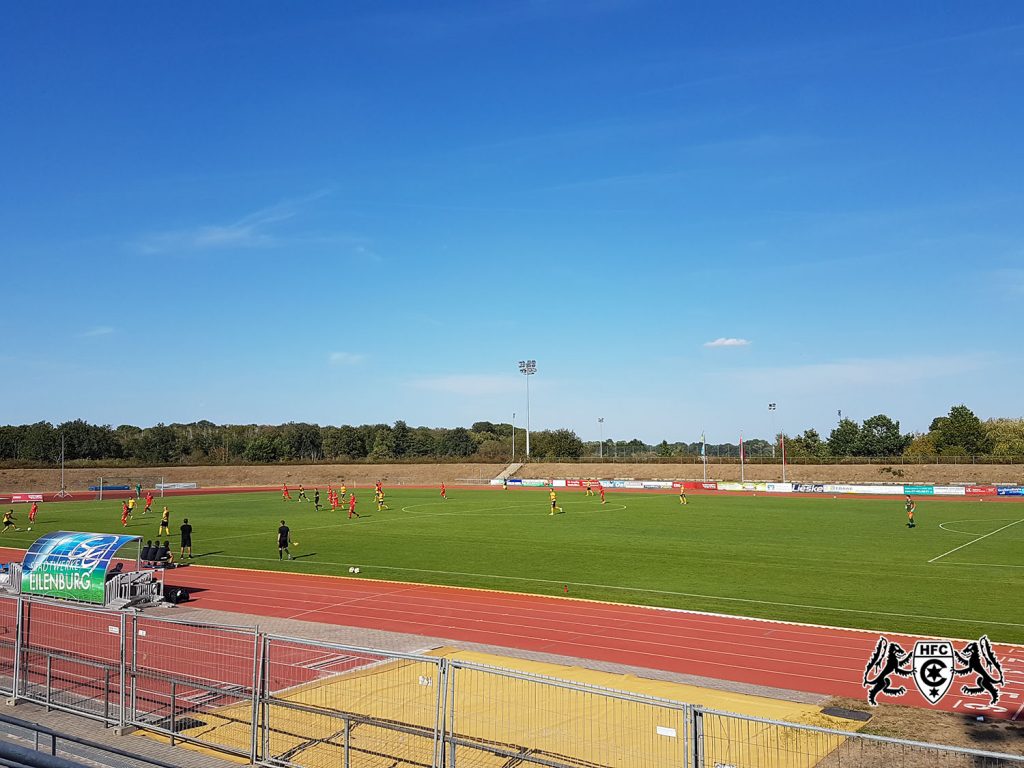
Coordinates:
(63, 746)
(283, 701)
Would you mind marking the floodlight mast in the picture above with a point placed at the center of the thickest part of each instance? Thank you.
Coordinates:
(600, 426)
(527, 368)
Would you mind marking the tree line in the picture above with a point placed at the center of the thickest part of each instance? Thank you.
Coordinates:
(958, 433)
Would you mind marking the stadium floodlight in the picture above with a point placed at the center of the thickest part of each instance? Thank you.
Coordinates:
(527, 368)
(600, 426)
(771, 409)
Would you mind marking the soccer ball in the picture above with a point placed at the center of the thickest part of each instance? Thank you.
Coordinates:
(356, 570)
(352, 569)
(28, 529)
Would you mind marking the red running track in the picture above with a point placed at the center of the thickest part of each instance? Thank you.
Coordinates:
(803, 657)
(809, 658)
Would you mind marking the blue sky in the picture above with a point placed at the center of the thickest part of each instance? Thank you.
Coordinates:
(370, 211)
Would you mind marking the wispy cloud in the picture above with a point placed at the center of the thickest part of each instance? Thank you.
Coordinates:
(99, 330)
(254, 230)
(467, 384)
(344, 358)
(724, 342)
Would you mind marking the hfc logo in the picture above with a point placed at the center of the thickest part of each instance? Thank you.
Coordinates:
(932, 664)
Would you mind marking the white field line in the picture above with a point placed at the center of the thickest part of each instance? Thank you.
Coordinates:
(649, 591)
(973, 541)
(985, 565)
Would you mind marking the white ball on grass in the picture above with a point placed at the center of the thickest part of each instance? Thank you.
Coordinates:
(357, 570)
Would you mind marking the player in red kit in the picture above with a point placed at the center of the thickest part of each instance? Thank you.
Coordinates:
(352, 506)
(444, 492)
(124, 513)
(285, 493)
(601, 489)
(32, 512)
(149, 502)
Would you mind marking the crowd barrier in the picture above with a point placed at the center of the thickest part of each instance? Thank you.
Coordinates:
(283, 701)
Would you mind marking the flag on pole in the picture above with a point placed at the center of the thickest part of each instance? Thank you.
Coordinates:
(703, 445)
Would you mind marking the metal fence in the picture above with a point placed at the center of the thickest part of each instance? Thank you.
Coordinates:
(295, 703)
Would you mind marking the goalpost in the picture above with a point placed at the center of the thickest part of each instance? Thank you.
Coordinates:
(123, 486)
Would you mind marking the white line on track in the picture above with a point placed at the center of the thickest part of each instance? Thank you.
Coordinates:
(649, 591)
(972, 541)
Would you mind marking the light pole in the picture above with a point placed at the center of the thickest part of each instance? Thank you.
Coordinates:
(600, 426)
(527, 368)
(771, 409)
(513, 435)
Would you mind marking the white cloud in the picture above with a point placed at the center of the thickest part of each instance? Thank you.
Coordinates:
(344, 358)
(468, 384)
(100, 330)
(250, 231)
(724, 342)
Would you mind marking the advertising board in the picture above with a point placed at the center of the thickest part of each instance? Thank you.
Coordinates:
(919, 490)
(70, 565)
(25, 497)
(949, 490)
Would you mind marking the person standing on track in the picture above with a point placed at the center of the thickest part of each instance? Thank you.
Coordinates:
(283, 540)
(910, 506)
(186, 539)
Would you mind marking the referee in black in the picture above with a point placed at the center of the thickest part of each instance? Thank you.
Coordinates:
(186, 539)
(283, 540)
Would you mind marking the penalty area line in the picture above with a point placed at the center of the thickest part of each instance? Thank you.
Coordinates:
(973, 541)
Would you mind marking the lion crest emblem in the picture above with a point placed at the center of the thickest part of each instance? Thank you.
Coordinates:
(979, 658)
(888, 659)
(933, 665)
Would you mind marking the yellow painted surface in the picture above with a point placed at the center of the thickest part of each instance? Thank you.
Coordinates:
(502, 715)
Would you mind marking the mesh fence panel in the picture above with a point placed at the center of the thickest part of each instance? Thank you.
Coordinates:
(71, 658)
(535, 720)
(9, 607)
(734, 741)
(329, 705)
(194, 681)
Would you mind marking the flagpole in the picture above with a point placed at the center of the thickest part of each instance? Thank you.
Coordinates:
(783, 439)
(742, 478)
(704, 454)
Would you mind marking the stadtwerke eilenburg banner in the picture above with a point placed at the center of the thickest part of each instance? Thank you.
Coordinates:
(70, 565)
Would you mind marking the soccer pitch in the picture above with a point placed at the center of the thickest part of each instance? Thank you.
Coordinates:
(839, 561)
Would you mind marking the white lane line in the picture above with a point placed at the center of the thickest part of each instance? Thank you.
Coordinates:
(642, 589)
(973, 541)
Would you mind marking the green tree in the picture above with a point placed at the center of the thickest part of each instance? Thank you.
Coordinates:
(383, 444)
(422, 442)
(402, 436)
(1007, 436)
(960, 433)
(844, 439)
(456, 442)
(880, 436)
(39, 442)
(263, 449)
(808, 444)
(921, 445)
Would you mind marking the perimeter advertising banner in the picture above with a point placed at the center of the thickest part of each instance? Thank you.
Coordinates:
(70, 565)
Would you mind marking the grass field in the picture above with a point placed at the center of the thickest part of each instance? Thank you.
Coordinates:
(844, 561)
